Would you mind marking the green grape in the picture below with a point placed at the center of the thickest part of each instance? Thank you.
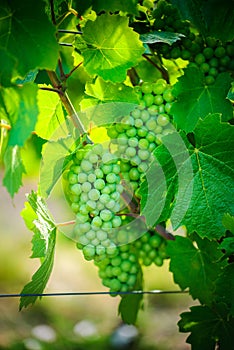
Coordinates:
(220, 51)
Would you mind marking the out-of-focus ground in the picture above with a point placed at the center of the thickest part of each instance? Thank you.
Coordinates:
(75, 321)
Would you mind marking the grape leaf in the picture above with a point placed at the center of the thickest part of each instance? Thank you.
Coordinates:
(167, 188)
(190, 265)
(202, 173)
(160, 37)
(131, 303)
(14, 169)
(109, 47)
(195, 99)
(227, 245)
(25, 28)
(207, 327)
(225, 287)
(107, 92)
(219, 15)
(7, 64)
(55, 157)
(228, 222)
(213, 165)
(20, 105)
(191, 10)
(106, 102)
(104, 113)
(38, 218)
(50, 115)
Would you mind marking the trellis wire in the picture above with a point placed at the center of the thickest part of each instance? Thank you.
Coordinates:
(59, 294)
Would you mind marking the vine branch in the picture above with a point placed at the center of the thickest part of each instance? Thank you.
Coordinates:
(67, 103)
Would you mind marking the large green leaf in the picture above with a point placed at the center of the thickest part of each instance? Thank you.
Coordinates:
(207, 327)
(50, 116)
(195, 99)
(14, 169)
(38, 219)
(213, 164)
(27, 37)
(20, 106)
(167, 188)
(192, 184)
(109, 47)
(195, 268)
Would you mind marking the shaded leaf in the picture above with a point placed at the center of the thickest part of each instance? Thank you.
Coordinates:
(228, 222)
(196, 100)
(131, 303)
(20, 105)
(225, 287)
(39, 220)
(129, 6)
(25, 28)
(14, 169)
(190, 265)
(208, 327)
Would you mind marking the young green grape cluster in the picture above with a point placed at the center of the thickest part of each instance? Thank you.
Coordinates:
(102, 184)
(119, 273)
(94, 189)
(137, 135)
(151, 248)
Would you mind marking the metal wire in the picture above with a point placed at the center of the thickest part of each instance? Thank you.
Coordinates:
(59, 294)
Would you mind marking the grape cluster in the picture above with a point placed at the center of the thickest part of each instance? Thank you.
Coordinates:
(94, 189)
(101, 182)
(137, 135)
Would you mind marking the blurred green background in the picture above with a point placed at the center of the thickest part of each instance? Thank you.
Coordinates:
(74, 322)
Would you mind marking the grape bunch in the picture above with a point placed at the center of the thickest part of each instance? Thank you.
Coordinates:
(102, 189)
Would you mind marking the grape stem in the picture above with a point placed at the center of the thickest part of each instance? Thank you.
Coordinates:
(66, 223)
(5, 126)
(162, 70)
(67, 104)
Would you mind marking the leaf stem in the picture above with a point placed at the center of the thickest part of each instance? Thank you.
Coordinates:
(5, 126)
